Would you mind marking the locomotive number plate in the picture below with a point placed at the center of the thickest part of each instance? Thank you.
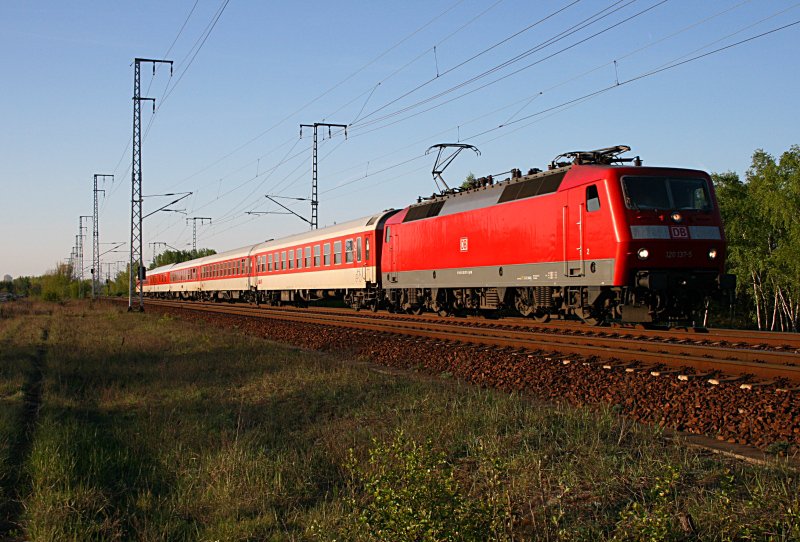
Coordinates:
(464, 244)
(679, 232)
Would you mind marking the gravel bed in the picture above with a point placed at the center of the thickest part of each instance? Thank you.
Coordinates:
(762, 417)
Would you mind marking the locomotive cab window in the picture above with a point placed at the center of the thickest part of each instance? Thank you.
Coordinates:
(388, 233)
(666, 193)
(592, 199)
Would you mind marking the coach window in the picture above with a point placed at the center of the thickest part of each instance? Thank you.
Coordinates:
(291, 259)
(244, 268)
(337, 252)
(299, 254)
(326, 254)
(316, 255)
(283, 259)
(592, 199)
(269, 262)
(358, 249)
(308, 257)
(348, 251)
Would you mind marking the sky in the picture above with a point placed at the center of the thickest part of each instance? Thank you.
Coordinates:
(522, 81)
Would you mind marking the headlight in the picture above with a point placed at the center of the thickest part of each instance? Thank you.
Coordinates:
(677, 218)
(643, 254)
(712, 254)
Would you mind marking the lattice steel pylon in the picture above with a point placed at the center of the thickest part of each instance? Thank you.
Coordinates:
(96, 236)
(314, 169)
(81, 227)
(194, 220)
(136, 270)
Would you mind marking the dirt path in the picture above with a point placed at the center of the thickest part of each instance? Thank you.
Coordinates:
(16, 484)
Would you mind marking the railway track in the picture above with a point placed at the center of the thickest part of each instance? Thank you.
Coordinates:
(750, 358)
(562, 363)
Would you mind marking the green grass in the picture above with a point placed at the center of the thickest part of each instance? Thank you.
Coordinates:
(155, 428)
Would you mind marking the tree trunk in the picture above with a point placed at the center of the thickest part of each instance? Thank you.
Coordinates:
(757, 300)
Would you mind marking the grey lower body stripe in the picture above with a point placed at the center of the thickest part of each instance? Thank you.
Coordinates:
(518, 276)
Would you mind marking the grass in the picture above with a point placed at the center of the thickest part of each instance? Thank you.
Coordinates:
(154, 428)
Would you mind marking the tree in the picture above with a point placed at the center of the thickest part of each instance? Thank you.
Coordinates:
(762, 224)
(469, 182)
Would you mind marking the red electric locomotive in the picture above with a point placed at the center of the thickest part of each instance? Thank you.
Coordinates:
(599, 237)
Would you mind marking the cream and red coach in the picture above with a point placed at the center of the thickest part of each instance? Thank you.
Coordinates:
(338, 261)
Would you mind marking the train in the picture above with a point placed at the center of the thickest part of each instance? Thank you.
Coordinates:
(595, 237)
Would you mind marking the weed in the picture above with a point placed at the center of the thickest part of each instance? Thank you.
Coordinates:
(407, 491)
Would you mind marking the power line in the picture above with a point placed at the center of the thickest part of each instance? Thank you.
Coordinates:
(320, 96)
(478, 55)
(550, 41)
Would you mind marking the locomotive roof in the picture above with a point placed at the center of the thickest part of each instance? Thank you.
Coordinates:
(523, 186)
(510, 189)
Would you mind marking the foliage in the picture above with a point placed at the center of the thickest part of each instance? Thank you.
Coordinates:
(162, 428)
(652, 517)
(409, 492)
(763, 232)
(469, 182)
(57, 284)
(177, 256)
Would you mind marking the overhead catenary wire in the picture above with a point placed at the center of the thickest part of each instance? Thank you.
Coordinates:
(538, 22)
(598, 16)
(204, 37)
(628, 81)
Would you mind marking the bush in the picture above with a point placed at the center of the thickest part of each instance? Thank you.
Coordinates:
(409, 492)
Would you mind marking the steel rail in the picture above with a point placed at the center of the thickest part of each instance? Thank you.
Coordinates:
(705, 359)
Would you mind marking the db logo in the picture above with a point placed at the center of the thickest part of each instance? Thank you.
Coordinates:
(679, 232)
(464, 243)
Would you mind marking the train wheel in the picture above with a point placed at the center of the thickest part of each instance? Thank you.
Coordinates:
(525, 310)
(523, 305)
(592, 318)
(541, 316)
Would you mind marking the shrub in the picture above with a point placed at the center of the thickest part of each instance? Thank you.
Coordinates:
(409, 492)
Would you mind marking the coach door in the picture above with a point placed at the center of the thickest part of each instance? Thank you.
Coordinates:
(572, 219)
(392, 244)
(363, 253)
(251, 270)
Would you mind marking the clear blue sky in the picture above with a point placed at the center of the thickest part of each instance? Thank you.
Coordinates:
(227, 126)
